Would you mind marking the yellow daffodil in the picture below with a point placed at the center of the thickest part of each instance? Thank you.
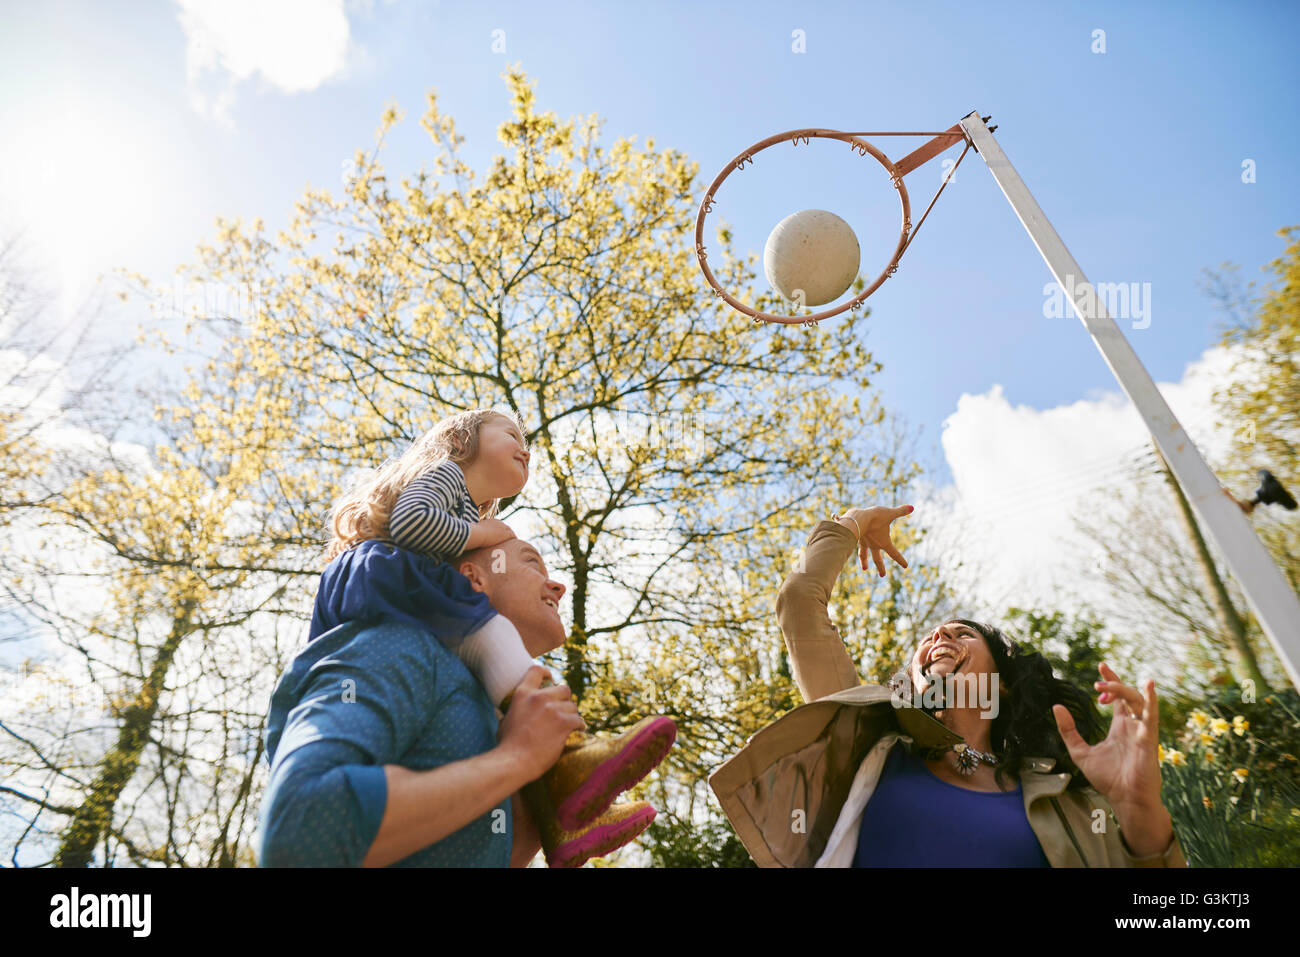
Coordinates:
(1240, 725)
(1209, 757)
(1206, 737)
(1160, 753)
(1176, 757)
(1198, 719)
(1240, 774)
(1219, 727)
(1207, 802)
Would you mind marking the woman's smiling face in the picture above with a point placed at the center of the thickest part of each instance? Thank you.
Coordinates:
(951, 648)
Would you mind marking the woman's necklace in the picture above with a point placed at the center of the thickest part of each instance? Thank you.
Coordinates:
(968, 758)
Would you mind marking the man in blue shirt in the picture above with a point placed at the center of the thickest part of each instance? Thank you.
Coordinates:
(385, 750)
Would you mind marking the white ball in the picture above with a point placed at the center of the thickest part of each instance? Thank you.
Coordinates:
(812, 250)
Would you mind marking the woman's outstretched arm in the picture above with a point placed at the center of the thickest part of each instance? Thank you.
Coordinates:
(820, 664)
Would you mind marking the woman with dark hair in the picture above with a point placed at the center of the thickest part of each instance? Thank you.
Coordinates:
(976, 755)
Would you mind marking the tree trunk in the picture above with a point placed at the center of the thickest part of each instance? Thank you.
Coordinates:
(119, 765)
(575, 649)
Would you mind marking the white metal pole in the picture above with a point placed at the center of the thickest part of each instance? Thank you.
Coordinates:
(1275, 604)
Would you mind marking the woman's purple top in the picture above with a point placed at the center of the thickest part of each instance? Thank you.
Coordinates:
(916, 820)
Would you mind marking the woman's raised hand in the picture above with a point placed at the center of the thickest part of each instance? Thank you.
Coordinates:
(874, 534)
(1124, 767)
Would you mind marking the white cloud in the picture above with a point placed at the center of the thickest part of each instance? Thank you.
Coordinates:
(296, 45)
(1021, 474)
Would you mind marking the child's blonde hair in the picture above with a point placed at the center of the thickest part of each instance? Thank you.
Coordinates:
(362, 513)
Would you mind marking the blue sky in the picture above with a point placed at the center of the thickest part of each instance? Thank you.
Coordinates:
(124, 140)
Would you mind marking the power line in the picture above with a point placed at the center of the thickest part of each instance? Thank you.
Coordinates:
(1130, 464)
(1065, 485)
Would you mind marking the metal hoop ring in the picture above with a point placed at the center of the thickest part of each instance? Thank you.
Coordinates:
(859, 146)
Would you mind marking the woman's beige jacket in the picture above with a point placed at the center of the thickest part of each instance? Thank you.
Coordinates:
(795, 793)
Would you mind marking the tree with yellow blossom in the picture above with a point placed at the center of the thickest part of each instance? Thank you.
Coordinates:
(152, 576)
(681, 454)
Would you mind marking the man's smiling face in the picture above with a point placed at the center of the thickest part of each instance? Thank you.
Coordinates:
(514, 577)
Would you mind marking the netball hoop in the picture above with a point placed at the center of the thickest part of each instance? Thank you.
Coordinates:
(1270, 596)
(918, 157)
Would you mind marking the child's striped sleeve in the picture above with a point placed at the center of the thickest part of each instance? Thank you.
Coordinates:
(427, 516)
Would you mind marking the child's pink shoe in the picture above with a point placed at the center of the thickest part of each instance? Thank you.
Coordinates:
(616, 827)
(592, 771)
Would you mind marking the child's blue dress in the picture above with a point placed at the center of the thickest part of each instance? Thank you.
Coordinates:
(409, 579)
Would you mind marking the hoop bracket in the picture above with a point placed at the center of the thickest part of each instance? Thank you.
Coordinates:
(923, 154)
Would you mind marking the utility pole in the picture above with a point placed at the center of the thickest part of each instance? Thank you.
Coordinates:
(1231, 623)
